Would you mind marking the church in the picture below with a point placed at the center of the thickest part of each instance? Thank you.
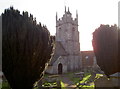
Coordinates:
(67, 47)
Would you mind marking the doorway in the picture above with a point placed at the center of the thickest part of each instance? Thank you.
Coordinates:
(59, 68)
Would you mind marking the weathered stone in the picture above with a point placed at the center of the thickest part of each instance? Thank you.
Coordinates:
(103, 82)
(67, 50)
(115, 79)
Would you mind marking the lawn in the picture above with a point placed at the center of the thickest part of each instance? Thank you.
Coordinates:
(48, 84)
(62, 85)
(5, 85)
(77, 82)
(86, 79)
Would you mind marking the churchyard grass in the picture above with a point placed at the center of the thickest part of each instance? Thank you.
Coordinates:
(48, 84)
(4, 85)
(62, 85)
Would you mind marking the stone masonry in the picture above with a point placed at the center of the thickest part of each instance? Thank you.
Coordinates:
(67, 50)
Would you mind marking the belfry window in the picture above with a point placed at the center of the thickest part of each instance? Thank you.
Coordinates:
(73, 29)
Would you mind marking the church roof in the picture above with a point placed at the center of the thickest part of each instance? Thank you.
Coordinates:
(59, 51)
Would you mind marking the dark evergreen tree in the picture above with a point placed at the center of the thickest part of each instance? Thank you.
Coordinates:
(105, 45)
(26, 49)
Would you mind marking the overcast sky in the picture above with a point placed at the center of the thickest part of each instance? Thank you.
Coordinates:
(91, 14)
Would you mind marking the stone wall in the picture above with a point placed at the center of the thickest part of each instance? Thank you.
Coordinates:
(54, 68)
(74, 63)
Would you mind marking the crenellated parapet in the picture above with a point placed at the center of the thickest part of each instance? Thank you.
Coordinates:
(67, 18)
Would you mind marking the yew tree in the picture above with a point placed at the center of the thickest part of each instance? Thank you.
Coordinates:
(105, 44)
(26, 48)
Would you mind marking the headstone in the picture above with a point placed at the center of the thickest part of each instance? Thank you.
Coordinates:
(103, 82)
(115, 79)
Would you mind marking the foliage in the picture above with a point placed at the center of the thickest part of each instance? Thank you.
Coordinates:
(85, 82)
(54, 84)
(98, 76)
(4, 85)
(62, 85)
(105, 45)
(48, 84)
(85, 79)
(88, 87)
(26, 48)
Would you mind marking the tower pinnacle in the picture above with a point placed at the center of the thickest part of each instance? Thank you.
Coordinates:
(68, 9)
(65, 9)
(56, 16)
(76, 14)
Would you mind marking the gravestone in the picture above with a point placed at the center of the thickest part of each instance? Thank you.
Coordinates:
(115, 79)
(103, 82)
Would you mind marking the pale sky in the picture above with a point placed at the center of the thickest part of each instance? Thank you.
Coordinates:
(91, 14)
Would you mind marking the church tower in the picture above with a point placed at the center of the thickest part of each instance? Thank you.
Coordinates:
(67, 51)
(68, 35)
